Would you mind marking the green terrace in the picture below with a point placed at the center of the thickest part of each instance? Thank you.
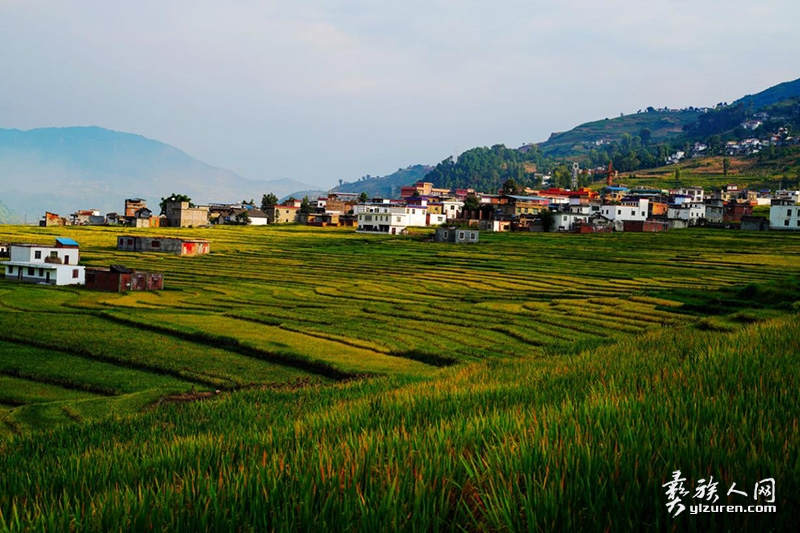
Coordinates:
(272, 306)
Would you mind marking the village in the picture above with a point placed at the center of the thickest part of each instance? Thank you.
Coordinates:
(458, 215)
(614, 207)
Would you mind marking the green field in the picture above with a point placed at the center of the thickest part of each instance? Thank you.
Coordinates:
(530, 382)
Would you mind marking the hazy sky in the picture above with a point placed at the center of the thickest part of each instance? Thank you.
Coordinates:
(319, 90)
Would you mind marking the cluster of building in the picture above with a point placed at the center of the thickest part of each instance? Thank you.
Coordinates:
(614, 208)
(744, 147)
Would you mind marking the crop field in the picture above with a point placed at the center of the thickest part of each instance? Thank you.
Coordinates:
(399, 383)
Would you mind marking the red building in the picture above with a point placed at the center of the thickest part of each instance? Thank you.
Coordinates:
(644, 225)
(735, 211)
(118, 278)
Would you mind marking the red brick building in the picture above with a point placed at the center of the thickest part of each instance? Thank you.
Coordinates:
(118, 278)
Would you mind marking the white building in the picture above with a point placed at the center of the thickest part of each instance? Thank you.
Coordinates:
(452, 208)
(695, 194)
(56, 265)
(628, 209)
(394, 219)
(784, 215)
(566, 220)
(690, 212)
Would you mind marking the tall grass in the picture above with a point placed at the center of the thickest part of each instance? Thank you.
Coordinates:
(582, 442)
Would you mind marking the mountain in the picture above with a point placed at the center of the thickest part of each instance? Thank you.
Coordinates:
(773, 95)
(386, 186)
(8, 216)
(299, 195)
(63, 170)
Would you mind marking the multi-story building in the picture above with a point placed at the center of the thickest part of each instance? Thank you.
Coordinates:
(784, 215)
(180, 215)
(36, 263)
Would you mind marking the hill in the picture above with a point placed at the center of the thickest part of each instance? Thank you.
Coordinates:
(662, 125)
(773, 95)
(66, 169)
(386, 186)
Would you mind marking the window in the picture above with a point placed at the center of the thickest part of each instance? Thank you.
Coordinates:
(785, 222)
(788, 212)
(619, 211)
(41, 272)
(398, 219)
(155, 244)
(11, 270)
(130, 242)
(66, 259)
(37, 254)
(30, 271)
(75, 273)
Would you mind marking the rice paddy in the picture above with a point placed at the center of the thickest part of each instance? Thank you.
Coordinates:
(530, 382)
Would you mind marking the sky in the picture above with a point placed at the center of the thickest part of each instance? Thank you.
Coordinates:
(322, 90)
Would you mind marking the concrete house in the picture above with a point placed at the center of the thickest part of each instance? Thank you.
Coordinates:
(784, 215)
(629, 208)
(180, 215)
(457, 235)
(170, 245)
(54, 265)
(282, 214)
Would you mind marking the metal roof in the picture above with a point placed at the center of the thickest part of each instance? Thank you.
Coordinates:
(66, 241)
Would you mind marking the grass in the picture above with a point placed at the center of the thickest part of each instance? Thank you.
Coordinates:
(582, 442)
(532, 382)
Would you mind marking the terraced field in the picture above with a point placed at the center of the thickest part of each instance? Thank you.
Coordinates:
(527, 383)
(285, 304)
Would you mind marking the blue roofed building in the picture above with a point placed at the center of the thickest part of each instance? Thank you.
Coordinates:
(38, 263)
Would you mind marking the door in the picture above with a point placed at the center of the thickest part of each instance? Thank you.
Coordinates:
(47, 276)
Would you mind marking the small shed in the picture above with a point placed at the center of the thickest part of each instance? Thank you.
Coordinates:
(457, 235)
(118, 278)
(750, 223)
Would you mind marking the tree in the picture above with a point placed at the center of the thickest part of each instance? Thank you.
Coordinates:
(268, 200)
(726, 165)
(305, 208)
(243, 218)
(471, 202)
(510, 187)
(362, 198)
(173, 198)
(548, 220)
(645, 135)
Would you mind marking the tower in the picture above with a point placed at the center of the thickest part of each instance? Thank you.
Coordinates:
(575, 169)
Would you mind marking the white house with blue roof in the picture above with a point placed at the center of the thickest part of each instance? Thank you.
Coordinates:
(54, 265)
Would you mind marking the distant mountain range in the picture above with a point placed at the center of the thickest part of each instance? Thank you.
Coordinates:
(63, 170)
